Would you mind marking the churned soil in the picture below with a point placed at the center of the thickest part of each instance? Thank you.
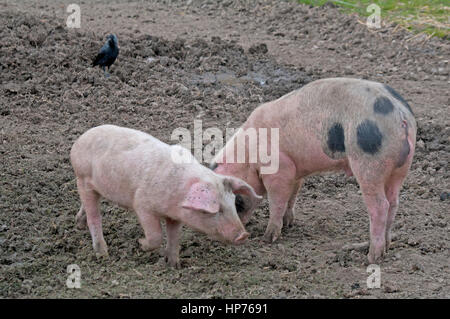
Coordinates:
(213, 61)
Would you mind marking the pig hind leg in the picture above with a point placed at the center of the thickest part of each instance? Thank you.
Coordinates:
(289, 216)
(378, 207)
(81, 219)
(152, 230)
(392, 189)
(90, 205)
(371, 181)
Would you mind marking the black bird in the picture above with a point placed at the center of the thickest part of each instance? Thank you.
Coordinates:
(107, 54)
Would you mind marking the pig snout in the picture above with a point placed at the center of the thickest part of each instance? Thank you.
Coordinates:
(241, 238)
(235, 236)
(231, 235)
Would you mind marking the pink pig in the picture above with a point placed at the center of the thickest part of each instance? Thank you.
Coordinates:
(362, 127)
(137, 171)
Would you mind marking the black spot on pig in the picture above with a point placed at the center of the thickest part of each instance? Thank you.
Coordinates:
(369, 137)
(240, 204)
(383, 105)
(213, 166)
(396, 95)
(336, 138)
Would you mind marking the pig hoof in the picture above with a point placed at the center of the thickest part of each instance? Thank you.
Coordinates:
(390, 237)
(146, 245)
(81, 222)
(101, 250)
(288, 219)
(376, 255)
(101, 253)
(372, 259)
(172, 263)
(271, 234)
(388, 244)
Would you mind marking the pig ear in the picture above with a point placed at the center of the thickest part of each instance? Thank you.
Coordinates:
(203, 197)
(238, 186)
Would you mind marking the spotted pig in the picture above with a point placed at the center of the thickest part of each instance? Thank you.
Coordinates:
(362, 127)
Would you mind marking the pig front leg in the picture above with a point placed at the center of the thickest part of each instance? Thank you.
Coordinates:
(280, 188)
(173, 243)
(152, 230)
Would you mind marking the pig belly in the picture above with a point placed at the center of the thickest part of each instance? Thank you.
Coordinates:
(112, 183)
(315, 161)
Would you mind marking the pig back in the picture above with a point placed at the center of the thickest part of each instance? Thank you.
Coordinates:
(116, 162)
(329, 120)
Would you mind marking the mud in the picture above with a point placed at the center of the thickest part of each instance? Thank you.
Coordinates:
(214, 61)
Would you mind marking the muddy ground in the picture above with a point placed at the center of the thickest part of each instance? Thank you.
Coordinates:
(214, 61)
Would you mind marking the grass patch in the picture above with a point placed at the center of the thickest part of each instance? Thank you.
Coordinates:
(429, 16)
